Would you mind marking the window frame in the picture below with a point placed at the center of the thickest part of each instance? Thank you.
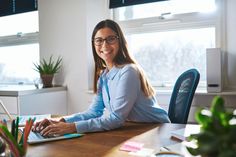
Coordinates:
(19, 39)
(179, 22)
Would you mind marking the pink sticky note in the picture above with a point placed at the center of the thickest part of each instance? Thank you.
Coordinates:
(131, 146)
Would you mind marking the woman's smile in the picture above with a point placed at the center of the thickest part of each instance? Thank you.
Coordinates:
(108, 45)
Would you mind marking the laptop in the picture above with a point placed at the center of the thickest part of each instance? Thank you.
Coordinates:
(35, 137)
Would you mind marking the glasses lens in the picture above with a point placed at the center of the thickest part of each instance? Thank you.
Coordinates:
(111, 39)
(98, 41)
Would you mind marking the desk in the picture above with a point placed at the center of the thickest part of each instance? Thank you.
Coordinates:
(107, 144)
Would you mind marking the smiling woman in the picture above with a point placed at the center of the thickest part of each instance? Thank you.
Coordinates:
(120, 87)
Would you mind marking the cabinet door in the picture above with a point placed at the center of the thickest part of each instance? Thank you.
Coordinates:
(10, 104)
(44, 103)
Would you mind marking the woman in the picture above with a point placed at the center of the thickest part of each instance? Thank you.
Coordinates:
(120, 87)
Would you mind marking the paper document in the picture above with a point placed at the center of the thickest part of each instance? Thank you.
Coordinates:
(182, 134)
(178, 149)
(172, 148)
(23, 119)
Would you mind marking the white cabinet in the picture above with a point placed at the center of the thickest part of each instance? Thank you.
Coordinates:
(10, 104)
(36, 101)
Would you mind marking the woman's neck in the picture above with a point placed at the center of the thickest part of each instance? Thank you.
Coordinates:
(109, 66)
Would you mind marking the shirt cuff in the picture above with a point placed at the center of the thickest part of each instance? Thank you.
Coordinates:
(69, 119)
(82, 126)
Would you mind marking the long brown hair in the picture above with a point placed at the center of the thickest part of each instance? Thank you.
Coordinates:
(123, 57)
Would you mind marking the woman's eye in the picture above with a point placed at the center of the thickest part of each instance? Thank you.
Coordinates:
(111, 39)
(98, 40)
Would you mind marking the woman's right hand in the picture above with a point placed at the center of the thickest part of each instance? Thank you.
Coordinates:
(39, 126)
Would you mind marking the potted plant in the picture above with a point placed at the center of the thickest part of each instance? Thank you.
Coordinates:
(217, 137)
(47, 69)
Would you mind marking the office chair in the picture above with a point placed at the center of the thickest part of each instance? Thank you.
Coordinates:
(182, 96)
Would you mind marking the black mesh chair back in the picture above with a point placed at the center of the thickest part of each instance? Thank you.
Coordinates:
(182, 96)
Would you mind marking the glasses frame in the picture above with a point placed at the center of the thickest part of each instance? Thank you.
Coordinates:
(106, 39)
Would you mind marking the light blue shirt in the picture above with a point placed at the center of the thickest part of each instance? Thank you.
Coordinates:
(119, 91)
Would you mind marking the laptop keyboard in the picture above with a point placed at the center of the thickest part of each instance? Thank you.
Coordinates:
(35, 136)
(38, 136)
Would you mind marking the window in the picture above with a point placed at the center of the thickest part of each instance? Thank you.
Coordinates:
(19, 48)
(169, 37)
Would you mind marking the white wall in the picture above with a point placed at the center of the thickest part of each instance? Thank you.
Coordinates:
(65, 29)
(231, 43)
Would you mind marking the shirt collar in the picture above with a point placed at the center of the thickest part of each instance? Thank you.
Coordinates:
(111, 73)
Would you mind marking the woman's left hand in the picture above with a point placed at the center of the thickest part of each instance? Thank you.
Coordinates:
(59, 128)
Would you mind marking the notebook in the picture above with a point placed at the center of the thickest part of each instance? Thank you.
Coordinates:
(178, 148)
(35, 137)
(182, 134)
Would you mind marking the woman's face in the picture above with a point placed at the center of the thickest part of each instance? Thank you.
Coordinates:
(106, 45)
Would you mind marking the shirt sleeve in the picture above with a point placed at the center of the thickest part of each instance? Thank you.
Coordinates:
(95, 110)
(127, 90)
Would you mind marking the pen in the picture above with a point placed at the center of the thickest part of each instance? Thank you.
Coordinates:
(5, 122)
(164, 149)
(16, 129)
(28, 127)
(25, 134)
(22, 137)
(13, 127)
(34, 119)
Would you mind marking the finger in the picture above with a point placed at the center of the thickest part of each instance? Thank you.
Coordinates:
(45, 131)
(54, 133)
(48, 130)
(35, 126)
(53, 130)
(52, 121)
(42, 125)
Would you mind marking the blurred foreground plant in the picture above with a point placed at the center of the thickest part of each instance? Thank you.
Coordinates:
(217, 137)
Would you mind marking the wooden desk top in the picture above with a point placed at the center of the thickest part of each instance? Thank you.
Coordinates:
(107, 143)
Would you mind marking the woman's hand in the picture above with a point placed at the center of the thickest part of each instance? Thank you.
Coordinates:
(59, 128)
(39, 126)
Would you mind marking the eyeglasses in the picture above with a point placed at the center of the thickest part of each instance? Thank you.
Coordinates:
(109, 40)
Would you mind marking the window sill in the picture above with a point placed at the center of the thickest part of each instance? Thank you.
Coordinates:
(199, 91)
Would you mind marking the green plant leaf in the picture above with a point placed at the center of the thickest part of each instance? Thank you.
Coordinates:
(207, 142)
(227, 153)
(217, 106)
(10, 136)
(193, 151)
(203, 118)
(48, 67)
(217, 136)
